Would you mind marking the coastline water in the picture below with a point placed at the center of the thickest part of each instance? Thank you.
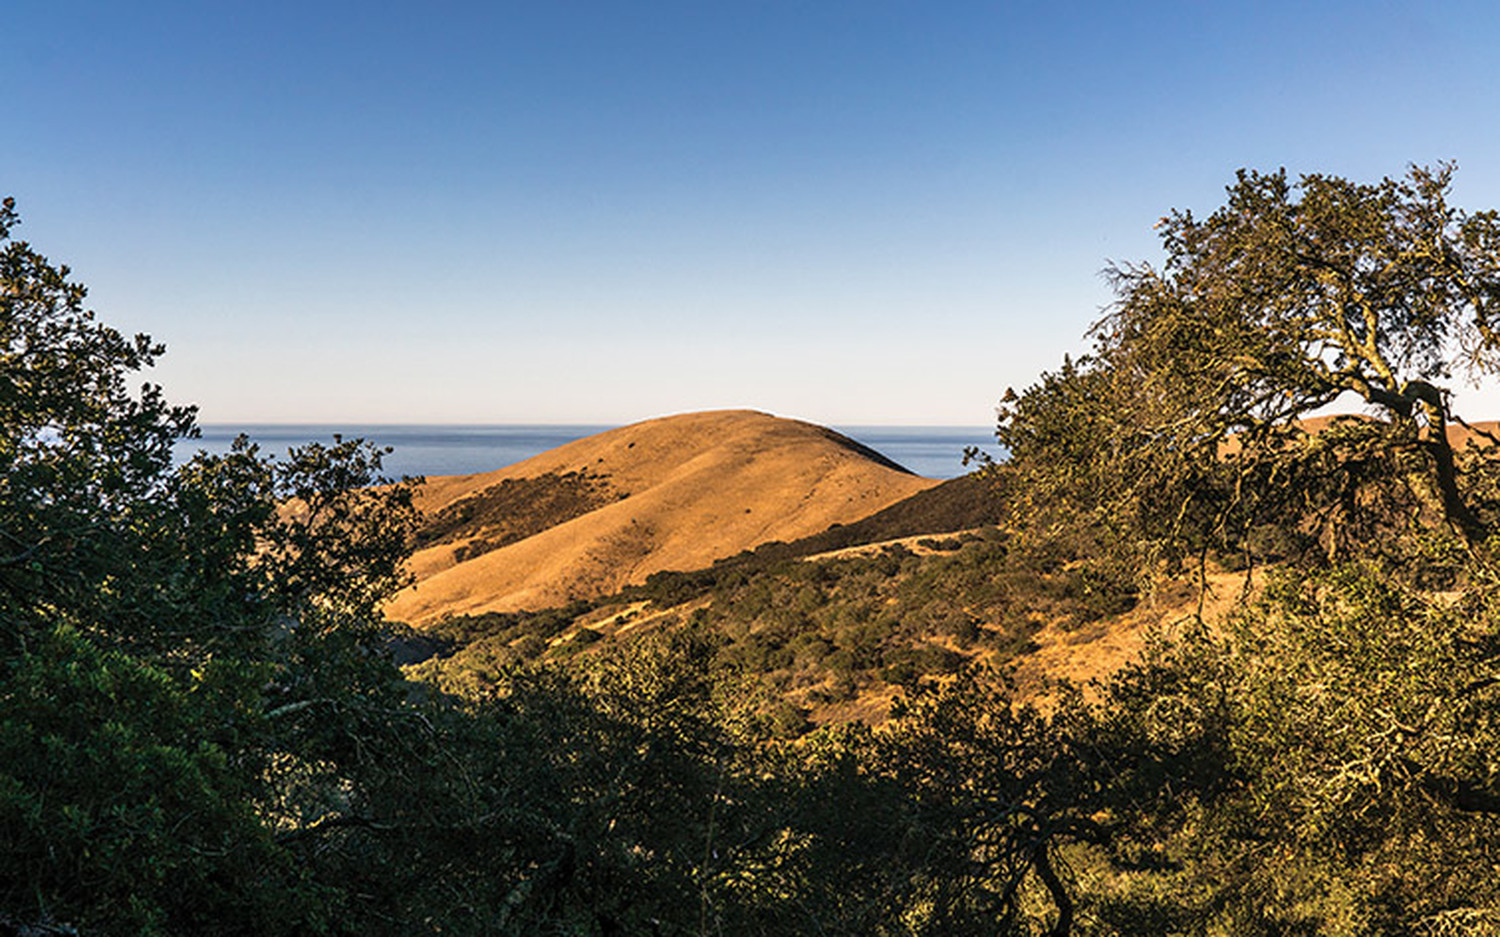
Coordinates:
(434, 449)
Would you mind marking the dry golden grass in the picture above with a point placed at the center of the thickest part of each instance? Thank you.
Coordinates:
(1094, 651)
(700, 486)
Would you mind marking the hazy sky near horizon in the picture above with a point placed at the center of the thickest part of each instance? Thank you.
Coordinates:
(862, 212)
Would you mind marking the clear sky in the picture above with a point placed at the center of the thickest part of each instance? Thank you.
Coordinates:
(859, 212)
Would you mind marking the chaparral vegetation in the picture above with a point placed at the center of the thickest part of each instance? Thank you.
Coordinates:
(204, 728)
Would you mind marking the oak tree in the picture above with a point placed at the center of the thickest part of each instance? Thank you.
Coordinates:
(1188, 420)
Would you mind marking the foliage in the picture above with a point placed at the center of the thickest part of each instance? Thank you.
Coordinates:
(202, 729)
(1325, 765)
(1178, 433)
(1319, 763)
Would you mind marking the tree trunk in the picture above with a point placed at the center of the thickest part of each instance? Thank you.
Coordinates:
(1441, 450)
(1043, 865)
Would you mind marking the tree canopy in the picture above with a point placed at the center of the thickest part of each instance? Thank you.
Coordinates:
(1289, 298)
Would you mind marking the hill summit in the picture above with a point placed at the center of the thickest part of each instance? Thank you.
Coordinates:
(598, 514)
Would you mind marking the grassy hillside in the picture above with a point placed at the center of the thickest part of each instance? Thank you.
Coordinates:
(833, 636)
(599, 514)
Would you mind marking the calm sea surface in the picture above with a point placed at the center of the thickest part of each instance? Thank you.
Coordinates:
(934, 451)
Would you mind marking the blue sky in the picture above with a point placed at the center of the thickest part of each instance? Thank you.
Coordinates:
(599, 212)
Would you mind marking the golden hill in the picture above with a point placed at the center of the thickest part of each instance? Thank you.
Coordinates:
(595, 515)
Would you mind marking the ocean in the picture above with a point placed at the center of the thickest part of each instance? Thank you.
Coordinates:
(933, 451)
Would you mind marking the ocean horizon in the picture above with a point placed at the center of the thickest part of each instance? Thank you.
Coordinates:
(463, 449)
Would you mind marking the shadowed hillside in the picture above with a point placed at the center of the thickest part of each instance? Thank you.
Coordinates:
(964, 503)
(513, 510)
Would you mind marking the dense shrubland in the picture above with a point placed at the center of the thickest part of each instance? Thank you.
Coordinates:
(817, 631)
(203, 730)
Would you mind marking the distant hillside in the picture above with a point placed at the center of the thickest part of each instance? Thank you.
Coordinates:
(601, 513)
